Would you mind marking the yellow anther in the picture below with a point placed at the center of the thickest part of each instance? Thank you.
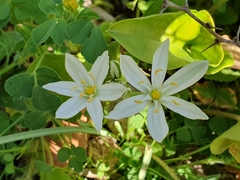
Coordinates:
(141, 82)
(90, 99)
(83, 82)
(173, 84)
(176, 103)
(92, 76)
(81, 94)
(90, 90)
(157, 71)
(74, 87)
(138, 101)
(155, 94)
(156, 110)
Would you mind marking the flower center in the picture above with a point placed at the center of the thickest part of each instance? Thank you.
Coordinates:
(155, 94)
(90, 90)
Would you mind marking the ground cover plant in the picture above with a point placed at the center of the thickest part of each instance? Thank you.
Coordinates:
(119, 89)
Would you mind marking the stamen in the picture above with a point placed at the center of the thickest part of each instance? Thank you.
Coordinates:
(138, 101)
(176, 103)
(90, 90)
(92, 76)
(81, 94)
(173, 84)
(141, 82)
(90, 99)
(155, 94)
(157, 71)
(156, 110)
(83, 82)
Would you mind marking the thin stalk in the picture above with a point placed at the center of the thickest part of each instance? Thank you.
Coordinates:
(165, 167)
(222, 114)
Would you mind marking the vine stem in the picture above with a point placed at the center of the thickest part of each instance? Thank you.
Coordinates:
(169, 170)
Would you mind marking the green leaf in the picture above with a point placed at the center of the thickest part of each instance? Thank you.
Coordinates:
(137, 121)
(29, 49)
(34, 120)
(4, 9)
(224, 141)
(184, 134)
(8, 157)
(76, 164)
(94, 46)
(10, 168)
(58, 34)
(46, 75)
(58, 174)
(136, 153)
(49, 7)
(4, 120)
(41, 166)
(79, 31)
(219, 125)
(198, 132)
(53, 61)
(20, 85)
(87, 13)
(44, 100)
(4, 22)
(225, 75)
(79, 153)
(41, 33)
(64, 154)
(190, 122)
(154, 8)
(22, 12)
(142, 36)
(225, 98)
(8, 41)
(221, 8)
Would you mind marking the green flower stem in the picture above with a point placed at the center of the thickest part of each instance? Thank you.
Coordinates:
(165, 167)
(8, 68)
(45, 132)
(222, 114)
(187, 156)
(32, 160)
(19, 149)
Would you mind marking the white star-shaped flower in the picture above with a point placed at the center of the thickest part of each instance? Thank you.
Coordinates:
(87, 89)
(157, 93)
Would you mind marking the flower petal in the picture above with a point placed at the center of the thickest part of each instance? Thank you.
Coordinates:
(71, 107)
(100, 68)
(76, 69)
(65, 88)
(128, 107)
(110, 92)
(180, 106)
(133, 74)
(95, 111)
(185, 77)
(159, 65)
(157, 124)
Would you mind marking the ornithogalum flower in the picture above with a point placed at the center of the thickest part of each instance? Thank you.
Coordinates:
(87, 89)
(158, 93)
